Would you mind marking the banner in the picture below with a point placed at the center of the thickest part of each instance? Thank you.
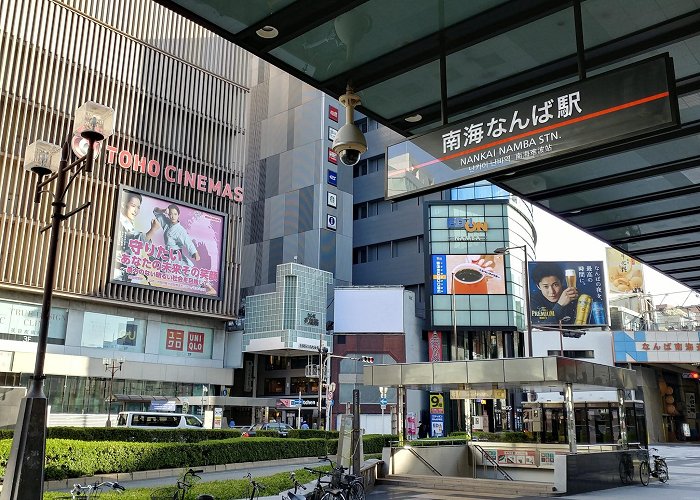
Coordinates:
(468, 275)
(625, 274)
(167, 245)
(434, 346)
(569, 292)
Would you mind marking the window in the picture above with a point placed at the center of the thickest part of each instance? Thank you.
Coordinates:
(274, 386)
(359, 211)
(360, 169)
(572, 354)
(362, 124)
(359, 255)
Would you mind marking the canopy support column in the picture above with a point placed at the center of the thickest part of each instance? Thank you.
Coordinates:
(570, 416)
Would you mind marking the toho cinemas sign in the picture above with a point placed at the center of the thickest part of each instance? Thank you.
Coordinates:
(176, 175)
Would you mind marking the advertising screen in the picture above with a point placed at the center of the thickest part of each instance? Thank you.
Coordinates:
(625, 274)
(167, 245)
(570, 292)
(468, 275)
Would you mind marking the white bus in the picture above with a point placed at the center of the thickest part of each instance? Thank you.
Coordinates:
(158, 420)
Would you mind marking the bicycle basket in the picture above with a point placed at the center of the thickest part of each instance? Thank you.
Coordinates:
(167, 493)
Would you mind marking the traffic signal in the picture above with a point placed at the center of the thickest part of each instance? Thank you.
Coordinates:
(693, 375)
(368, 359)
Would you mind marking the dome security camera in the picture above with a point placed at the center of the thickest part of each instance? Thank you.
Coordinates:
(349, 143)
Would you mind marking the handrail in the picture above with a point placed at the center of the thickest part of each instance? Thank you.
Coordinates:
(425, 462)
(493, 462)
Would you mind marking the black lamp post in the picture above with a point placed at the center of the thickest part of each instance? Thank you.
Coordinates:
(112, 366)
(24, 475)
(526, 286)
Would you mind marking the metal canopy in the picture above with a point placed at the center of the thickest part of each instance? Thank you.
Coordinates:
(546, 374)
(640, 196)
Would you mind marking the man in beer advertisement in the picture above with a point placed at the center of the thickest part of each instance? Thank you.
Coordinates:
(567, 293)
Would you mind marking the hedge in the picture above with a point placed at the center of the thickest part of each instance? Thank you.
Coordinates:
(136, 435)
(67, 458)
(500, 437)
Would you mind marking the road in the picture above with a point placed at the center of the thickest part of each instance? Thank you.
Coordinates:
(684, 470)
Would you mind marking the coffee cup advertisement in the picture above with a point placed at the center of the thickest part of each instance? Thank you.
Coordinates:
(469, 274)
(568, 292)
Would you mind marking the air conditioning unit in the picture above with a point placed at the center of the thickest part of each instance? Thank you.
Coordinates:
(531, 397)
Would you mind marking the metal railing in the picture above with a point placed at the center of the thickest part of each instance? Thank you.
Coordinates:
(487, 459)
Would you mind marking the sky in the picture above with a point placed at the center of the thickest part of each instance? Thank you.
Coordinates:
(558, 240)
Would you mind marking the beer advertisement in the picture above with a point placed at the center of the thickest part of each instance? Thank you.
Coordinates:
(625, 274)
(567, 293)
(468, 275)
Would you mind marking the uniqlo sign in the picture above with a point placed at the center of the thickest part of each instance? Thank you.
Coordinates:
(174, 340)
(195, 342)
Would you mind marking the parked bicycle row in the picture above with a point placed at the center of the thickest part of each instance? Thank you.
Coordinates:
(335, 484)
(659, 469)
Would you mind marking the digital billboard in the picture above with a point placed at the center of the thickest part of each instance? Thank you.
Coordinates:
(569, 292)
(468, 275)
(167, 245)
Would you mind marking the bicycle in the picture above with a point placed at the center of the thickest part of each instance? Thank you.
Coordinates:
(87, 491)
(659, 471)
(293, 495)
(626, 468)
(353, 486)
(257, 487)
(179, 492)
(324, 491)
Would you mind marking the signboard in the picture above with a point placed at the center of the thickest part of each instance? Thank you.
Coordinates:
(331, 222)
(675, 346)
(306, 402)
(434, 346)
(570, 292)
(515, 457)
(22, 321)
(332, 178)
(627, 102)
(332, 157)
(437, 425)
(478, 394)
(468, 274)
(166, 245)
(186, 341)
(437, 403)
(625, 274)
(333, 113)
(690, 405)
(218, 417)
(331, 199)
(332, 133)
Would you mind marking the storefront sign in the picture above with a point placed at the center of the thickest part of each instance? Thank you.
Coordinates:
(333, 113)
(193, 342)
(690, 406)
(182, 177)
(478, 394)
(437, 403)
(22, 321)
(675, 346)
(167, 245)
(623, 103)
(306, 402)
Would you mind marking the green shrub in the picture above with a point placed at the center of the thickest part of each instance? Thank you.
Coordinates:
(313, 433)
(6, 433)
(140, 435)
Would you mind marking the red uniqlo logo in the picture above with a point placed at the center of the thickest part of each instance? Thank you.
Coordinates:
(174, 340)
(195, 342)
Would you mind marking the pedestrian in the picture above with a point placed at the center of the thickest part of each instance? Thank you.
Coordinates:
(304, 425)
(231, 424)
(422, 430)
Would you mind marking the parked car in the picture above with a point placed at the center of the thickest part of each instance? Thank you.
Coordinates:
(281, 428)
(246, 430)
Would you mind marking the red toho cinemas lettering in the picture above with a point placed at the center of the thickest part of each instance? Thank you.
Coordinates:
(130, 161)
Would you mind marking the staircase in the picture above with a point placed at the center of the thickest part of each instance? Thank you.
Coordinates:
(517, 488)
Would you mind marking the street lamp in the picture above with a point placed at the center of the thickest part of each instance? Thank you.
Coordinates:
(24, 475)
(112, 366)
(526, 286)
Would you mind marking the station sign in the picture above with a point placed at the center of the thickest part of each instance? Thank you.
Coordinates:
(627, 102)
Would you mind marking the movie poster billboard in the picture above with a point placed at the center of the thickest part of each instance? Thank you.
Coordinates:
(468, 275)
(167, 245)
(569, 292)
(625, 274)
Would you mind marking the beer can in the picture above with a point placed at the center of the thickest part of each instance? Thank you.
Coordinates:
(598, 313)
(583, 309)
